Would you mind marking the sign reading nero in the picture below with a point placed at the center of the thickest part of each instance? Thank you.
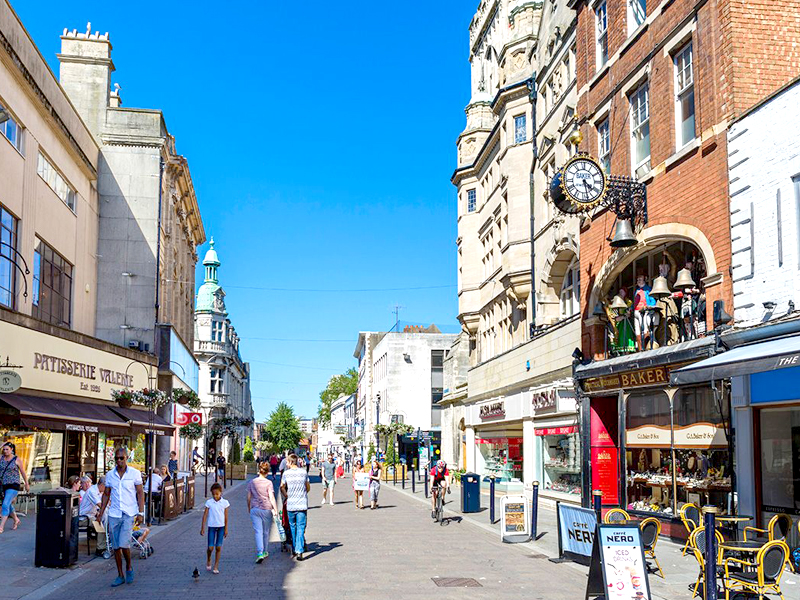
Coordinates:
(490, 411)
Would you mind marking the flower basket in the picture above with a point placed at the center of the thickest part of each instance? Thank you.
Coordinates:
(123, 397)
(186, 398)
(192, 431)
(151, 398)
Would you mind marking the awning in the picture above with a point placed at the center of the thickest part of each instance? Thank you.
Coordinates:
(744, 360)
(49, 413)
(139, 421)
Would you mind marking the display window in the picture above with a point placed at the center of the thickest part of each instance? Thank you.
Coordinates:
(561, 459)
(502, 457)
(779, 436)
(41, 453)
(108, 443)
(677, 453)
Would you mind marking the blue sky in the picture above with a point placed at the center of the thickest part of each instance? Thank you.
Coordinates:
(321, 139)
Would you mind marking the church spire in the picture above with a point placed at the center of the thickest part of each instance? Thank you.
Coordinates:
(211, 263)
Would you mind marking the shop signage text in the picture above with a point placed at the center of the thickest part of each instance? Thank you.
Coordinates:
(556, 430)
(10, 381)
(545, 401)
(630, 379)
(698, 435)
(490, 411)
(63, 366)
(86, 428)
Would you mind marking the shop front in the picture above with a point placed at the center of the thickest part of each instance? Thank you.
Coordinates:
(557, 444)
(653, 447)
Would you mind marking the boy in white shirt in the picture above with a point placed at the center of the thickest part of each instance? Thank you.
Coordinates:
(216, 514)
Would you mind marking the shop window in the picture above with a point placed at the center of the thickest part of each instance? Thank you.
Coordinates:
(11, 129)
(684, 96)
(217, 381)
(779, 436)
(649, 321)
(604, 145)
(561, 460)
(637, 13)
(502, 457)
(601, 33)
(570, 290)
(640, 130)
(41, 453)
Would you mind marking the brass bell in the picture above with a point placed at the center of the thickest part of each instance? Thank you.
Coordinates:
(684, 279)
(618, 304)
(623, 235)
(660, 288)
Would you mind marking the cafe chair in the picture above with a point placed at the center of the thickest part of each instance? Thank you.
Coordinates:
(85, 525)
(697, 543)
(690, 517)
(778, 528)
(766, 576)
(651, 529)
(616, 515)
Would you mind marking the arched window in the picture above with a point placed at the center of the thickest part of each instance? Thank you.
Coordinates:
(570, 290)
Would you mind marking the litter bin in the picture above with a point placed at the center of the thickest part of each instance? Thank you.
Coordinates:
(470, 493)
(57, 528)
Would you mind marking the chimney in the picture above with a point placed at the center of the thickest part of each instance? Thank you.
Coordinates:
(85, 74)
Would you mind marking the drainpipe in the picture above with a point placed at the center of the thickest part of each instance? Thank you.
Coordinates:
(532, 94)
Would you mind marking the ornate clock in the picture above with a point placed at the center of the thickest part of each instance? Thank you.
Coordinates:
(579, 185)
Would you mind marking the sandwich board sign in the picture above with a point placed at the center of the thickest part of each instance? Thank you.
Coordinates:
(576, 533)
(514, 519)
(618, 570)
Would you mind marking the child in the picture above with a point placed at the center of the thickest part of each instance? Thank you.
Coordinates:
(216, 514)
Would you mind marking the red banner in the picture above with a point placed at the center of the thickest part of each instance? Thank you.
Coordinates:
(187, 418)
(605, 473)
(603, 416)
(499, 440)
(557, 430)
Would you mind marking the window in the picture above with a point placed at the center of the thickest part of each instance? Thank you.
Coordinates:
(56, 181)
(217, 331)
(52, 286)
(640, 129)
(8, 244)
(10, 129)
(217, 376)
(684, 96)
(570, 290)
(472, 200)
(604, 146)
(601, 20)
(637, 13)
(437, 376)
(520, 133)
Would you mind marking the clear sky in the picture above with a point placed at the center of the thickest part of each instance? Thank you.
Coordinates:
(321, 139)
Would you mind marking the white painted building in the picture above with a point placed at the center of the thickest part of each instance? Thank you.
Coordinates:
(331, 438)
(764, 166)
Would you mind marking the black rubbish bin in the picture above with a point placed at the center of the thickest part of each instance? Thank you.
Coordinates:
(57, 528)
(470, 493)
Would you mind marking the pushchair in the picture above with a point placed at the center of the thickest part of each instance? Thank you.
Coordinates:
(286, 542)
(143, 546)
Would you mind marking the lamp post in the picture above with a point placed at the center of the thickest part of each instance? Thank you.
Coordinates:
(149, 447)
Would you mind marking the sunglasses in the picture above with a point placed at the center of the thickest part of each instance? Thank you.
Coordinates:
(119, 458)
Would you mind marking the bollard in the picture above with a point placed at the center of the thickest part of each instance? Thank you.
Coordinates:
(597, 504)
(426, 482)
(394, 475)
(403, 482)
(491, 500)
(709, 516)
(534, 509)
(413, 482)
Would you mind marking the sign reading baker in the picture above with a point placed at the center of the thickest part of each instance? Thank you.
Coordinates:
(654, 376)
(492, 410)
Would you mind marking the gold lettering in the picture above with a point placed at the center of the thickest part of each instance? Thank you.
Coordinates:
(661, 375)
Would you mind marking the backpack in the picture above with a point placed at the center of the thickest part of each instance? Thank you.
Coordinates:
(794, 557)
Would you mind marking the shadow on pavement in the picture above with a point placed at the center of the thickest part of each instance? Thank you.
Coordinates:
(313, 549)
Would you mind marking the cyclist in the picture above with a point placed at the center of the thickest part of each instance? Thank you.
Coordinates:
(440, 480)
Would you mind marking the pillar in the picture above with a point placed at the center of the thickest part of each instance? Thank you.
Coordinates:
(470, 449)
(528, 452)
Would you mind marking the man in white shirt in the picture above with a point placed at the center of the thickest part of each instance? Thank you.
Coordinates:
(90, 504)
(157, 482)
(124, 497)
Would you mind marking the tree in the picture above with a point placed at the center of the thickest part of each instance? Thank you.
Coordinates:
(338, 385)
(249, 455)
(282, 429)
(371, 451)
(235, 456)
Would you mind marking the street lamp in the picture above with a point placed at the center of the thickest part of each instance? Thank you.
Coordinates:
(149, 448)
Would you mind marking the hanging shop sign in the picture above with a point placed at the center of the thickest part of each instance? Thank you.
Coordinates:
(514, 519)
(10, 381)
(188, 418)
(618, 570)
(492, 410)
(556, 430)
(576, 527)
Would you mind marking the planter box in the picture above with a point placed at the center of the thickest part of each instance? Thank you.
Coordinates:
(238, 471)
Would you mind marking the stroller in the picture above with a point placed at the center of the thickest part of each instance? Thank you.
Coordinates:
(286, 538)
(140, 544)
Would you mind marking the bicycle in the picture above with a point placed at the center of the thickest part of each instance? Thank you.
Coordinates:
(438, 504)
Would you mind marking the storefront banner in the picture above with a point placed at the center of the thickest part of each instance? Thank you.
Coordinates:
(602, 410)
(188, 417)
(556, 430)
(623, 561)
(630, 379)
(576, 527)
(648, 436)
(605, 474)
(699, 435)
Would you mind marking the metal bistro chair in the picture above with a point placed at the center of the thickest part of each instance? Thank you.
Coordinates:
(651, 529)
(778, 528)
(85, 525)
(697, 543)
(768, 566)
(690, 517)
(616, 515)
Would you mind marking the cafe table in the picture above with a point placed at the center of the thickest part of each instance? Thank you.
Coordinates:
(731, 522)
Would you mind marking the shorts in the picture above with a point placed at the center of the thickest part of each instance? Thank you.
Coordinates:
(329, 483)
(215, 536)
(120, 530)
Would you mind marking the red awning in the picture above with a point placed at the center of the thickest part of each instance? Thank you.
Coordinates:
(50, 413)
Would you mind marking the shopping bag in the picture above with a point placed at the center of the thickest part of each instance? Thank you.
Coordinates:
(281, 530)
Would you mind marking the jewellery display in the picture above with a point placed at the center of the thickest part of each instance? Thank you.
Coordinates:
(561, 458)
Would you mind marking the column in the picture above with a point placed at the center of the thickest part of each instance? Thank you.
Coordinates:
(470, 449)
(528, 453)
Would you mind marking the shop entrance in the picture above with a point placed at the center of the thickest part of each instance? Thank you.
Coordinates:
(81, 454)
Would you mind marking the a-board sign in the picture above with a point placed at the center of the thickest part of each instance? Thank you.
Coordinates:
(180, 491)
(190, 493)
(618, 570)
(168, 500)
(514, 519)
(576, 529)
(361, 482)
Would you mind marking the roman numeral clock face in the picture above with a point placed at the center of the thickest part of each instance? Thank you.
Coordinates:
(584, 182)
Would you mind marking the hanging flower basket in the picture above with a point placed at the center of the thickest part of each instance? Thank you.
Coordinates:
(151, 398)
(123, 397)
(186, 398)
(192, 431)
(228, 426)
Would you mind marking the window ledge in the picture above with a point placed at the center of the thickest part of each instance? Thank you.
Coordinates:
(646, 177)
(600, 72)
(683, 152)
(632, 37)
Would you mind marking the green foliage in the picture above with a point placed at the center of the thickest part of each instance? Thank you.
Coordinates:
(338, 385)
(282, 428)
(235, 456)
(391, 453)
(191, 431)
(249, 454)
(371, 451)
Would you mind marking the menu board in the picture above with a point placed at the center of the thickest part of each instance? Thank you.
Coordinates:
(619, 556)
(168, 500)
(190, 493)
(180, 488)
(514, 519)
(605, 473)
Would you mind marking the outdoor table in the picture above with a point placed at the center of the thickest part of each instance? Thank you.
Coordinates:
(751, 546)
(731, 522)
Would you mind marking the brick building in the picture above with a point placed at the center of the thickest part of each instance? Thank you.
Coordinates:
(659, 83)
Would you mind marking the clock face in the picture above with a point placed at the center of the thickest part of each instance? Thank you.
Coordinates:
(584, 181)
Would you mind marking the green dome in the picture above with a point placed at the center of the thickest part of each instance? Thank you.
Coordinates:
(207, 291)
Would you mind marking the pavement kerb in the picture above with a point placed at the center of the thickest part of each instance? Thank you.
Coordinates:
(72, 574)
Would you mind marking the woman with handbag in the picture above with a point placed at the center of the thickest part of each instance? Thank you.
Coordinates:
(11, 469)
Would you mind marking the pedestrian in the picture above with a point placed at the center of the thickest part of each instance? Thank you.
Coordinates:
(339, 468)
(374, 484)
(11, 470)
(216, 516)
(357, 468)
(73, 483)
(328, 471)
(283, 464)
(172, 465)
(124, 498)
(196, 460)
(273, 464)
(221, 466)
(262, 508)
(347, 461)
(89, 507)
(295, 486)
(85, 484)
